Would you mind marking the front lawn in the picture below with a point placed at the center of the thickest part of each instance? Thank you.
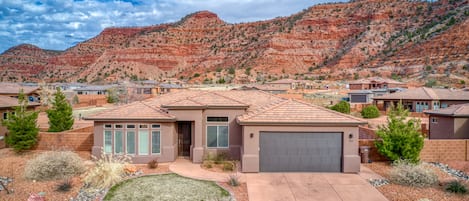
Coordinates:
(166, 187)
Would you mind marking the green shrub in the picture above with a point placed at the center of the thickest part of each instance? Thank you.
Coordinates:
(109, 170)
(228, 166)
(54, 165)
(207, 164)
(370, 111)
(456, 187)
(409, 174)
(342, 106)
(400, 138)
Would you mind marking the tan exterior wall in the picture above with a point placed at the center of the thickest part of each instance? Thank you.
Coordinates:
(461, 128)
(168, 143)
(443, 129)
(197, 146)
(250, 149)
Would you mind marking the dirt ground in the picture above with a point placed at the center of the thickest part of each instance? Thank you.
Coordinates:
(395, 192)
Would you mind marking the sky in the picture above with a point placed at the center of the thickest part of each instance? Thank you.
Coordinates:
(61, 24)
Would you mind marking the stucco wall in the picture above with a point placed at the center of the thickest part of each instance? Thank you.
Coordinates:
(443, 129)
(461, 128)
(250, 157)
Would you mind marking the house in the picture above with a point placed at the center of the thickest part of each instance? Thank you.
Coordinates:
(13, 89)
(360, 96)
(449, 123)
(286, 84)
(375, 83)
(266, 133)
(7, 105)
(164, 88)
(420, 99)
(93, 89)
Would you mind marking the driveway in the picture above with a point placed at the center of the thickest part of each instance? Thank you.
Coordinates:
(310, 186)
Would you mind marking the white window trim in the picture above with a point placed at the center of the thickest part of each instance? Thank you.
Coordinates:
(206, 135)
(151, 142)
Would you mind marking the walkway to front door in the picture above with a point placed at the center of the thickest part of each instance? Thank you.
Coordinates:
(184, 138)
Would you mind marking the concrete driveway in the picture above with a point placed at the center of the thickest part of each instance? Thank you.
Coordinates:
(310, 186)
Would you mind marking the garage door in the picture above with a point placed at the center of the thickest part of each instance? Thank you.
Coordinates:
(300, 152)
(358, 98)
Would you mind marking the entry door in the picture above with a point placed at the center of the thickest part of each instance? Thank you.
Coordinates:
(300, 152)
(184, 138)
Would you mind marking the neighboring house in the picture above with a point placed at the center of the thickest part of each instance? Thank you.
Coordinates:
(420, 99)
(12, 90)
(449, 123)
(286, 84)
(7, 105)
(266, 133)
(375, 83)
(360, 96)
(164, 88)
(266, 88)
(94, 89)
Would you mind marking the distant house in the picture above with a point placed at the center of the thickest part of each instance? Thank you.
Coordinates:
(94, 89)
(375, 83)
(449, 123)
(265, 132)
(420, 99)
(7, 105)
(164, 88)
(286, 84)
(360, 96)
(12, 90)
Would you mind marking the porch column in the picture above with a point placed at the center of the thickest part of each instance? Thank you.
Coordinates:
(198, 150)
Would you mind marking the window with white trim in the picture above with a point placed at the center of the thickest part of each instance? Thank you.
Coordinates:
(155, 142)
(434, 120)
(217, 132)
(108, 141)
(130, 142)
(143, 144)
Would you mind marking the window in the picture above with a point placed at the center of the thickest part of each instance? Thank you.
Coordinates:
(131, 126)
(143, 126)
(157, 126)
(107, 125)
(155, 142)
(147, 91)
(444, 105)
(5, 115)
(107, 141)
(434, 120)
(130, 142)
(217, 119)
(119, 126)
(217, 136)
(118, 142)
(436, 105)
(143, 142)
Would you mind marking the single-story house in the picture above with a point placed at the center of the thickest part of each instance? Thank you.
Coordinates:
(375, 83)
(94, 89)
(449, 123)
(7, 105)
(423, 98)
(265, 132)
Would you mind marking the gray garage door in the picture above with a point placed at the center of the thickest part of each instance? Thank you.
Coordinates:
(358, 98)
(300, 152)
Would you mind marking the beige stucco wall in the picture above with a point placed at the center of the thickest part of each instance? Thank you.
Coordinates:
(461, 128)
(168, 141)
(250, 151)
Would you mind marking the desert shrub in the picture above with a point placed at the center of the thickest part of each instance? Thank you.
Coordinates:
(221, 157)
(153, 164)
(109, 170)
(233, 180)
(228, 166)
(207, 164)
(456, 187)
(54, 165)
(410, 174)
(400, 138)
(64, 186)
(370, 111)
(342, 107)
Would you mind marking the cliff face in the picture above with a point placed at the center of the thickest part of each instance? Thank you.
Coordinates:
(337, 40)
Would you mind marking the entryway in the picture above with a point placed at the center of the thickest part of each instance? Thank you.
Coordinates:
(184, 138)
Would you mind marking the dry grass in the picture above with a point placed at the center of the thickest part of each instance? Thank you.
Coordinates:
(108, 171)
(395, 192)
(53, 165)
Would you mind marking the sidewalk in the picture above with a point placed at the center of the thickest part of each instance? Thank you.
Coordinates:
(186, 168)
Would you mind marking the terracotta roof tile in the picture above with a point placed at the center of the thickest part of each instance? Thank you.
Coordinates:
(8, 102)
(132, 111)
(424, 93)
(460, 110)
(13, 88)
(297, 112)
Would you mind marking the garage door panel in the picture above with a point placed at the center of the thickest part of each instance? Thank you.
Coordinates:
(300, 152)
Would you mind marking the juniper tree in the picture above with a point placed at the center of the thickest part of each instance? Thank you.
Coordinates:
(21, 125)
(60, 114)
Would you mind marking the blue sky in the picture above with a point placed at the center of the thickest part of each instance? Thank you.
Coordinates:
(61, 24)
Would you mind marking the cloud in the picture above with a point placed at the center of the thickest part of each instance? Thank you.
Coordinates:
(59, 25)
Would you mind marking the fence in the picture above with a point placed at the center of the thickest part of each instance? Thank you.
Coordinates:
(76, 140)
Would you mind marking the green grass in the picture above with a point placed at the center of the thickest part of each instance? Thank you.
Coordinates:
(166, 187)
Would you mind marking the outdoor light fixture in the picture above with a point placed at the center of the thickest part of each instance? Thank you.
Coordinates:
(350, 136)
(251, 135)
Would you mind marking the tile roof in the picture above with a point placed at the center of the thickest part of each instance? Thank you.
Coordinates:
(13, 88)
(8, 102)
(424, 93)
(132, 111)
(297, 112)
(460, 110)
(95, 88)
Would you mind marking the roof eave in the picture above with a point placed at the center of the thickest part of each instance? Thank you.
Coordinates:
(131, 119)
(205, 107)
(261, 123)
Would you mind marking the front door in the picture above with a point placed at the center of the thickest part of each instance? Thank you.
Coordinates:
(184, 138)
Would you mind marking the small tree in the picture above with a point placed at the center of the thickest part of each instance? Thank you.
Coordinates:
(370, 111)
(342, 106)
(21, 125)
(61, 114)
(112, 96)
(401, 138)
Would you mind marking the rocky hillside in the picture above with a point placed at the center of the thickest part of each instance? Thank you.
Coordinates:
(415, 40)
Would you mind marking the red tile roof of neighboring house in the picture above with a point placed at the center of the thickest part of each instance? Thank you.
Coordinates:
(460, 110)
(424, 93)
(8, 102)
(297, 112)
(133, 111)
(13, 88)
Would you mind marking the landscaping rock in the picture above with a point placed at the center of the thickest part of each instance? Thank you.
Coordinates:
(453, 172)
(5, 181)
(378, 182)
(89, 194)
